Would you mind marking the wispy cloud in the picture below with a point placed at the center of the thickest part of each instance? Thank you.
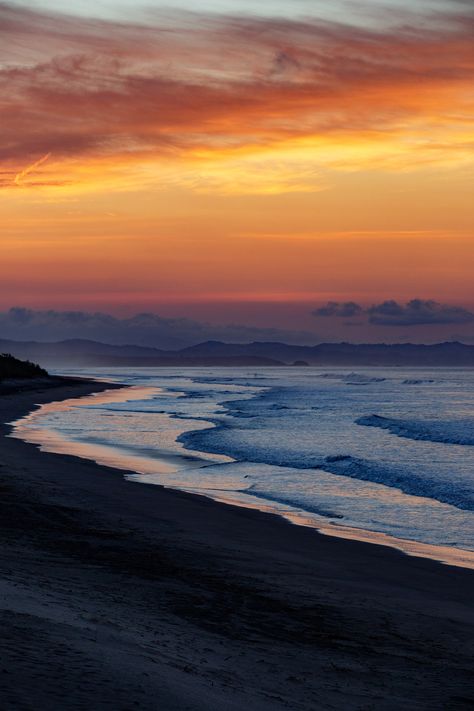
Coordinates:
(216, 92)
(19, 177)
(346, 309)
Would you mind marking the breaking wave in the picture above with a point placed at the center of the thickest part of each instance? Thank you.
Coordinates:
(453, 432)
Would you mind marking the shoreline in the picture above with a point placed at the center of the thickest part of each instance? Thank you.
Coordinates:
(156, 596)
(129, 467)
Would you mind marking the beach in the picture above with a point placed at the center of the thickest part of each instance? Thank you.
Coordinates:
(120, 595)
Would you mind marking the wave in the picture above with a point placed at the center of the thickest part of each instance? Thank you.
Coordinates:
(445, 492)
(124, 410)
(452, 432)
(294, 502)
(358, 379)
(211, 441)
(352, 378)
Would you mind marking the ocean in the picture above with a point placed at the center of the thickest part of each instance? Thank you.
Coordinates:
(384, 450)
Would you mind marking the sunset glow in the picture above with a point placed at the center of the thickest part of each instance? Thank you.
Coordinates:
(170, 161)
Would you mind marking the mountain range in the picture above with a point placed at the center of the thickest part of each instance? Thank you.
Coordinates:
(77, 352)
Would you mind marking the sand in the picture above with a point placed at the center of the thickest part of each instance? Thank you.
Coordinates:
(119, 595)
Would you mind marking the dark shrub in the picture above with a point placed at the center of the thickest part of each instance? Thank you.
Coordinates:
(11, 367)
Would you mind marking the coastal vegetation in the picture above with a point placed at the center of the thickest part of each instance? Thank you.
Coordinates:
(11, 367)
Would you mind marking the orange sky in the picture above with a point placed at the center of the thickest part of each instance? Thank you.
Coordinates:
(210, 158)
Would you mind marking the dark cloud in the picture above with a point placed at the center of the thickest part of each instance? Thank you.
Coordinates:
(346, 309)
(417, 312)
(147, 329)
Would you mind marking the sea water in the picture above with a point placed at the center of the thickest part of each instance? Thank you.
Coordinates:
(384, 450)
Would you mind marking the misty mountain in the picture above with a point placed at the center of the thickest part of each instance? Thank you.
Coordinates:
(398, 354)
(72, 350)
(216, 353)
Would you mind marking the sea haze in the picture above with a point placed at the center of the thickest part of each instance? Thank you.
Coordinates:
(385, 450)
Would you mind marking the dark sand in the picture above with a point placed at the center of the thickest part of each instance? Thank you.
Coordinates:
(118, 595)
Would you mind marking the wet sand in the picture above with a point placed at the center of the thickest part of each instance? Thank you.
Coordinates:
(118, 595)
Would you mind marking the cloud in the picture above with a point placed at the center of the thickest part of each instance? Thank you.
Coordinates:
(203, 87)
(147, 329)
(347, 309)
(417, 312)
(19, 177)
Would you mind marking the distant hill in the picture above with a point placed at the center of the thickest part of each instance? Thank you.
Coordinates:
(13, 368)
(215, 353)
(84, 353)
(398, 354)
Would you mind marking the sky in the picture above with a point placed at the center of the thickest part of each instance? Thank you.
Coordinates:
(299, 171)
